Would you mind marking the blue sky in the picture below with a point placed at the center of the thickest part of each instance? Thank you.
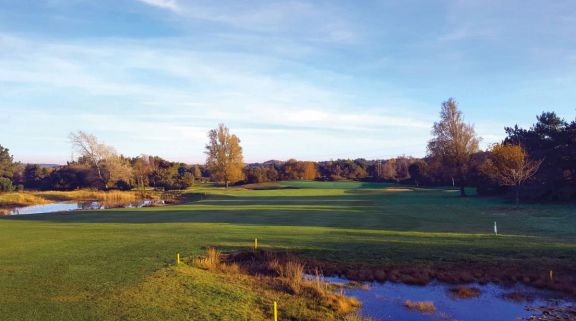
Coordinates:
(310, 79)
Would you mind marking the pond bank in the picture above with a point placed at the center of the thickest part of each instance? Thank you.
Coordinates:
(57, 201)
(562, 279)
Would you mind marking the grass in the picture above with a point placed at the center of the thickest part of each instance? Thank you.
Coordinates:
(118, 264)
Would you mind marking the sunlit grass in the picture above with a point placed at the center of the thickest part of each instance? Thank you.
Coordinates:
(113, 264)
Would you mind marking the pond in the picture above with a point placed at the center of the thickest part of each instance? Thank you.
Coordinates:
(387, 302)
(76, 206)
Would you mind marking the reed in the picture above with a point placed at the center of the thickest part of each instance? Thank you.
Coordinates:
(20, 199)
(211, 261)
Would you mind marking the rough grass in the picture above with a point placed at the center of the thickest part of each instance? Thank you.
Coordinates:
(70, 266)
(20, 199)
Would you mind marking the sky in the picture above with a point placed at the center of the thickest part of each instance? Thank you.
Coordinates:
(306, 79)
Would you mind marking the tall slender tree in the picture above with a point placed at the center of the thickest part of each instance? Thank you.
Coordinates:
(224, 156)
(453, 143)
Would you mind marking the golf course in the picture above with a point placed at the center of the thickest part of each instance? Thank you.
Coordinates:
(120, 264)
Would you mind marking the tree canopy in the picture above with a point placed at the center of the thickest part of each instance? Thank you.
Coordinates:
(454, 142)
(224, 156)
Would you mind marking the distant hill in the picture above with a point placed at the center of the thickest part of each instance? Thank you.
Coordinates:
(46, 165)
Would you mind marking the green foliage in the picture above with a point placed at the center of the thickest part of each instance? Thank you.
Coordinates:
(6, 185)
(6, 163)
(553, 141)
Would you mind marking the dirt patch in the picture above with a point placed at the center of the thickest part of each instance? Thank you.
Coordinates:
(398, 189)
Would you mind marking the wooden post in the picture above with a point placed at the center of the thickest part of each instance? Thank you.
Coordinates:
(495, 228)
(255, 244)
(551, 276)
(275, 311)
(178, 259)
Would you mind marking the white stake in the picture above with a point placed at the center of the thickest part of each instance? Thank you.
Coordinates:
(495, 228)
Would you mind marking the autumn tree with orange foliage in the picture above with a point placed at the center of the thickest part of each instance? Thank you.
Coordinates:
(308, 170)
(225, 161)
(510, 165)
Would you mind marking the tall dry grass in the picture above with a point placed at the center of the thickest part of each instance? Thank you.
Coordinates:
(90, 195)
(20, 199)
(209, 262)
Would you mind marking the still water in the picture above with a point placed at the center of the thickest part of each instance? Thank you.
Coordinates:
(75, 206)
(385, 302)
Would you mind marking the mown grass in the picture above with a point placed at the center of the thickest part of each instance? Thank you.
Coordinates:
(102, 265)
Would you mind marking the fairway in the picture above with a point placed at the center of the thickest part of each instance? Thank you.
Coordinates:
(116, 264)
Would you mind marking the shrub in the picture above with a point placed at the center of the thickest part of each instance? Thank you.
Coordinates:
(6, 185)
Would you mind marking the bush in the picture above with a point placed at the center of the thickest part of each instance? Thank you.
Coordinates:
(6, 185)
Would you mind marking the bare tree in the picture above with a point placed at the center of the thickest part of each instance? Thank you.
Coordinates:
(92, 151)
(454, 142)
(225, 161)
(510, 165)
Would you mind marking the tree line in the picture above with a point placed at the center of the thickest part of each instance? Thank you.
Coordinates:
(536, 163)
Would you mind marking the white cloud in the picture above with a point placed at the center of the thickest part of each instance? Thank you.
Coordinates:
(150, 97)
(165, 4)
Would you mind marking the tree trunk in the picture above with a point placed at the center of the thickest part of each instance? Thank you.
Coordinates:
(462, 191)
(226, 184)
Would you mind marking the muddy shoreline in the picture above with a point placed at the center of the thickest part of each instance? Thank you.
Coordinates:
(561, 279)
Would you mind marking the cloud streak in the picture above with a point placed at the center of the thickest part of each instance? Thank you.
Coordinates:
(164, 4)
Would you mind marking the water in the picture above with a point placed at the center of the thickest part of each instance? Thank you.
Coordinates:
(385, 302)
(75, 206)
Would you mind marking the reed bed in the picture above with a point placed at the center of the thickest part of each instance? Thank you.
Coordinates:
(20, 199)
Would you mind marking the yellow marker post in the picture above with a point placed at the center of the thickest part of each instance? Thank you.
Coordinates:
(275, 311)
(551, 275)
(178, 258)
(255, 244)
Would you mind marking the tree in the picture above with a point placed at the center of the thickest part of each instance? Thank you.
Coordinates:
(142, 169)
(553, 140)
(454, 142)
(510, 165)
(418, 171)
(6, 163)
(118, 171)
(92, 152)
(196, 173)
(224, 156)
(308, 170)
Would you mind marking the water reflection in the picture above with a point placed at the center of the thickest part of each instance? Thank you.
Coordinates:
(383, 302)
(75, 206)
